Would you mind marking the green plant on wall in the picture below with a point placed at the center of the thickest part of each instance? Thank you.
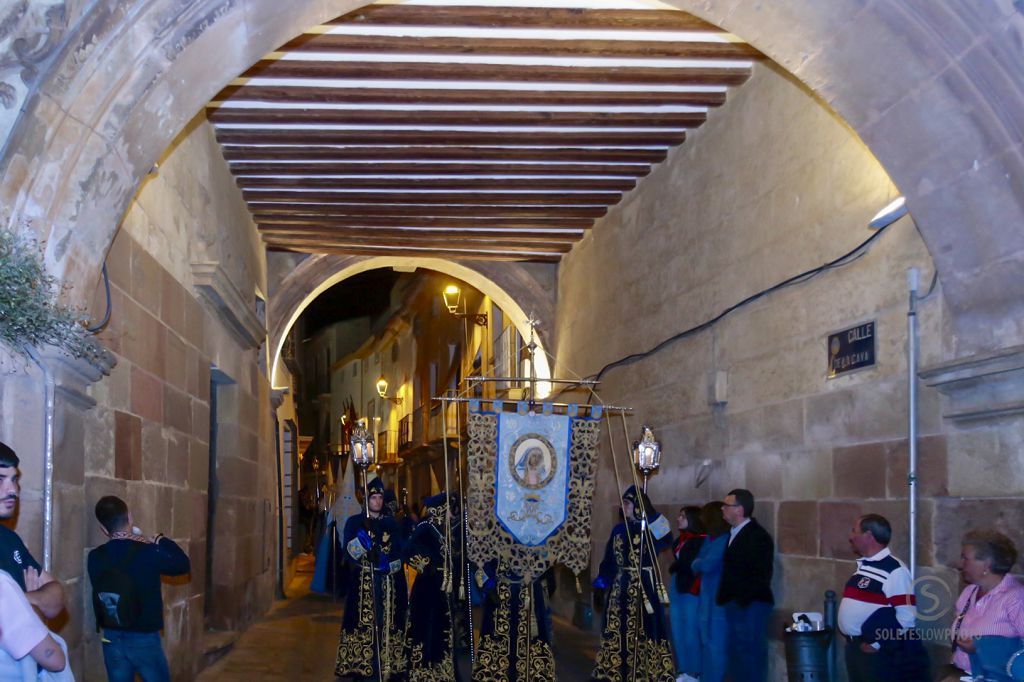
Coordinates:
(29, 312)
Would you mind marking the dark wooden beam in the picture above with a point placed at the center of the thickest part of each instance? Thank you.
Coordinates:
(456, 198)
(454, 185)
(638, 49)
(296, 94)
(446, 137)
(260, 211)
(495, 237)
(590, 119)
(464, 153)
(473, 255)
(437, 243)
(452, 223)
(525, 17)
(408, 168)
(502, 73)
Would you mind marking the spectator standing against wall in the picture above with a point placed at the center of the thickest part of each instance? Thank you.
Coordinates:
(989, 627)
(877, 613)
(710, 616)
(125, 575)
(746, 588)
(683, 591)
(41, 589)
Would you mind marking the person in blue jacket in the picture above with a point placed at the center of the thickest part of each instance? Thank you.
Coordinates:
(372, 640)
(710, 616)
(635, 644)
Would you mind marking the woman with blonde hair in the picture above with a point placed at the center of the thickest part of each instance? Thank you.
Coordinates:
(990, 610)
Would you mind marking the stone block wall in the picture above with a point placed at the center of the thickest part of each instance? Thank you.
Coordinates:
(148, 437)
(771, 186)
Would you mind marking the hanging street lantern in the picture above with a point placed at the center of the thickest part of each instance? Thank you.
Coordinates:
(452, 296)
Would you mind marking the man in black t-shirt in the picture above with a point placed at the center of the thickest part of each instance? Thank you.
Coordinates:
(41, 589)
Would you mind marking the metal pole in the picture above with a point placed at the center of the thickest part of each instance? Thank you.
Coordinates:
(48, 410)
(912, 284)
(831, 622)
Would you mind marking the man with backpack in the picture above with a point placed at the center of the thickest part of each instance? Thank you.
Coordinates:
(125, 574)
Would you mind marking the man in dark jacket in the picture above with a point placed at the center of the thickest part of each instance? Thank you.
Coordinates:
(746, 588)
(125, 575)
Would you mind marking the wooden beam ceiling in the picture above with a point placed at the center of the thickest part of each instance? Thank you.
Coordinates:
(525, 17)
(466, 132)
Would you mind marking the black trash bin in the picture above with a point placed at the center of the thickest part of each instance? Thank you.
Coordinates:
(807, 655)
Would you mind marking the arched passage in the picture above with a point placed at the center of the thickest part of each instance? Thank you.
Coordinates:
(508, 285)
(932, 88)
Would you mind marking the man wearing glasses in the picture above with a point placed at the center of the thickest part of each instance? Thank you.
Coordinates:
(746, 588)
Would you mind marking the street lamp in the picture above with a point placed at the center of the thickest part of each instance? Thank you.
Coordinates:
(646, 454)
(382, 391)
(452, 300)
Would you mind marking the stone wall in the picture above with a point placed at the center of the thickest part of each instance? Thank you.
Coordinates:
(148, 438)
(772, 186)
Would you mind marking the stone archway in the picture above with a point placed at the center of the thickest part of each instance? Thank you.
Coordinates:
(932, 88)
(512, 288)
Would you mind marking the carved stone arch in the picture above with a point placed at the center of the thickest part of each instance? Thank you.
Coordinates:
(509, 285)
(933, 88)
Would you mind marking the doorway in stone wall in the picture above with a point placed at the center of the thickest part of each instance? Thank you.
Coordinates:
(219, 381)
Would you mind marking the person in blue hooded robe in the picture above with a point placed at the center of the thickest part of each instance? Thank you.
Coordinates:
(429, 639)
(515, 637)
(372, 640)
(635, 644)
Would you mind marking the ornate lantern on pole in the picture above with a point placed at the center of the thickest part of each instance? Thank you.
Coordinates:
(646, 454)
(364, 451)
(364, 455)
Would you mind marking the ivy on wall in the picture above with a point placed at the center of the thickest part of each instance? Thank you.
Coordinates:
(29, 312)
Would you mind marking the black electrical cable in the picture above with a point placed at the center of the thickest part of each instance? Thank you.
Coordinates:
(845, 259)
(106, 317)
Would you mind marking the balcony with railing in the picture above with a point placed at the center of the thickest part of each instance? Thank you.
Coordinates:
(405, 440)
(444, 421)
(417, 426)
(387, 446)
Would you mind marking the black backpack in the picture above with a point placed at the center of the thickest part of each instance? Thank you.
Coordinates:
(115, 595)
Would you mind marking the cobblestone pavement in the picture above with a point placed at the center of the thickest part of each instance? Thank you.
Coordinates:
(296, 641)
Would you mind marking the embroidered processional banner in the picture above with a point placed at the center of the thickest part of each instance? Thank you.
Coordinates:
(531, 486)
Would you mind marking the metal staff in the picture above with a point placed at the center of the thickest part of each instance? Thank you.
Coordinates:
(446, 581)
(364, 454)
(643, 604)
(647, 458)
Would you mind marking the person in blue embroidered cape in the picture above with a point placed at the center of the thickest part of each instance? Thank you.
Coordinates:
(515, 637)
(372, 640)
(429, 639)
(635, 643)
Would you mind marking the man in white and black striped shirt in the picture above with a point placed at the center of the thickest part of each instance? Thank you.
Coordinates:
(879, 596)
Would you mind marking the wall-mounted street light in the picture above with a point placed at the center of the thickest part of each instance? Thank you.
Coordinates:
(453, 300)
(895, 210)
(382, 391)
